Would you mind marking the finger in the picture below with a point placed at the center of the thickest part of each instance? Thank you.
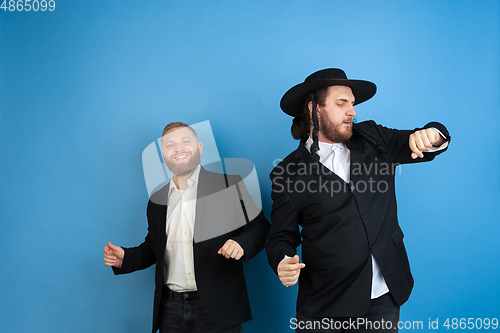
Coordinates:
(419, 141)
(110, 257)
(290, 281)
(291, 272)
(287, 275)
(433, 135)
(236, 249)
(292, 267)
(295, 259)
(239, 255)
(414, 148)
(233, 252)
(287, 279)
(109, 262)
(229, 252)
(426, 140)
(226, 247)
(113, 248)
(224, 252)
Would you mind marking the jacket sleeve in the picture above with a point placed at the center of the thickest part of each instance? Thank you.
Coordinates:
(254, 233)
(284, 235)
(397, 142)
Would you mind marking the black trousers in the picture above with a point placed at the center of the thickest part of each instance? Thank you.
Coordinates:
(184, 313)
(382, 316)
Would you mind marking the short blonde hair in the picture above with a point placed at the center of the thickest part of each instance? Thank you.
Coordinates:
(177, 124)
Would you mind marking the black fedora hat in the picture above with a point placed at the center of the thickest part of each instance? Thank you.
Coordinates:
(292, 101)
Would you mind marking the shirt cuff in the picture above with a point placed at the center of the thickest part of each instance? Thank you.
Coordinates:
(285, 258)
(443, 146)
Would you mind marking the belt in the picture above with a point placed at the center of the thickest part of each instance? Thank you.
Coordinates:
(181, 295)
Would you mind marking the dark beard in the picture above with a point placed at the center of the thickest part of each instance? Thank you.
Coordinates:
(187, 169)
(331, 131)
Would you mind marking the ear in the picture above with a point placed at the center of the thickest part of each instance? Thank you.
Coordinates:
(310, 107)
(200, 147)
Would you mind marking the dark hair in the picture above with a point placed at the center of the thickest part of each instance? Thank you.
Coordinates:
(301, 126)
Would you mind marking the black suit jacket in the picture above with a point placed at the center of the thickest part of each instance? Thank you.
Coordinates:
(342, 224)
(220, 281)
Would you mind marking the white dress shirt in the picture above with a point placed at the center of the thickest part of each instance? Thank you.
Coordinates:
(179, 258)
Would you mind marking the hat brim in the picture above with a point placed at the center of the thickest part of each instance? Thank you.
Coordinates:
(292, 102)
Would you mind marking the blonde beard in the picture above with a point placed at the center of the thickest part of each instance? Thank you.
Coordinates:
(184, 170)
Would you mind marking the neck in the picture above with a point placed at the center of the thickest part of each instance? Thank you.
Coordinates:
(322, 139)
(181, 180)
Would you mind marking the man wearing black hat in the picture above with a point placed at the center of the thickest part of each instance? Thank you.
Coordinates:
(339, 187)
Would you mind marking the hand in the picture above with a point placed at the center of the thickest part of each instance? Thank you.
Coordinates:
(289, 271)
(113, 255)
(423, 140)
(231, 249)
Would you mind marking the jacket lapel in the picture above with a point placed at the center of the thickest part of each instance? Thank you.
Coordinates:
(356, 151)
(314, 168)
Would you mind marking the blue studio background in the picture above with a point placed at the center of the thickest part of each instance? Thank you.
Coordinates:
(84, 89)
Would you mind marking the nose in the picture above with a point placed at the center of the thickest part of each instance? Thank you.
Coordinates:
(351, 112)
(176, 147)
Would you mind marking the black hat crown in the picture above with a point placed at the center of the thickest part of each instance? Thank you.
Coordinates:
(292, 101)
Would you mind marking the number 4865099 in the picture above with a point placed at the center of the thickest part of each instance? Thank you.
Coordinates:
(28, 5)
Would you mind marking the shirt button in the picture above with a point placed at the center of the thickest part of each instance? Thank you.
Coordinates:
(352, 188)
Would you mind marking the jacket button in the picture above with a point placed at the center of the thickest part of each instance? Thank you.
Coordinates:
(352, 188)
(372, 247)
(364, 217)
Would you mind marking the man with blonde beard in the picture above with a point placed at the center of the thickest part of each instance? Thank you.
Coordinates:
(201, 227)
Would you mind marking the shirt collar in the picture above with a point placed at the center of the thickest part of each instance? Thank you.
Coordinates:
(325, 149)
